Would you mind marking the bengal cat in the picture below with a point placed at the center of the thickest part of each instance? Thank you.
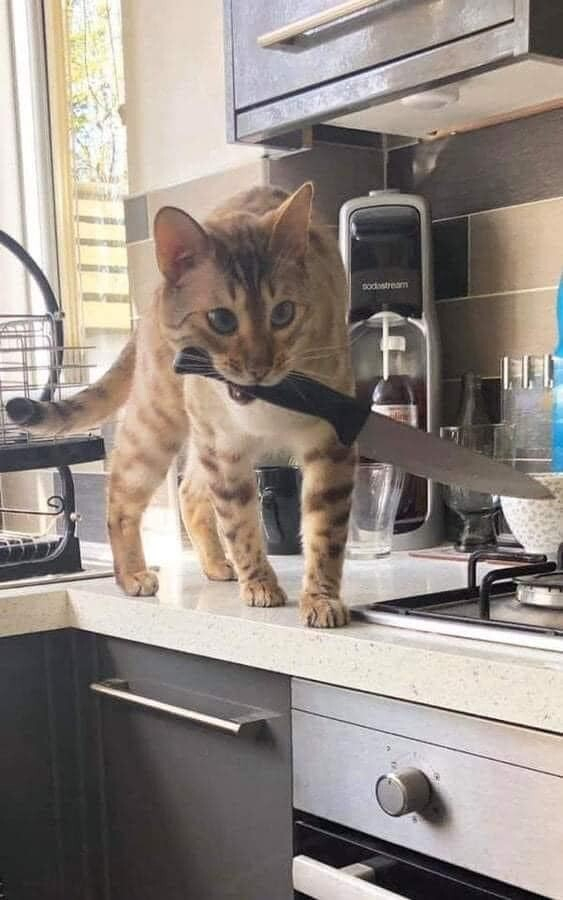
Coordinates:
(261, 287)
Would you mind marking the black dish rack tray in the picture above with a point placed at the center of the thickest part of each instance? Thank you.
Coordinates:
(35, 363)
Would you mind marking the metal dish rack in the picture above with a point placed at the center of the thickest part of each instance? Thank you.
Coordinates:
(35, 364)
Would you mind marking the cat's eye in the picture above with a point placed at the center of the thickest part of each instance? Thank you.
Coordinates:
(283, 314)
(222, 320)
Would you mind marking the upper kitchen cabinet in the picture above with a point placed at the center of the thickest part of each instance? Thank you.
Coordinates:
(414, 67)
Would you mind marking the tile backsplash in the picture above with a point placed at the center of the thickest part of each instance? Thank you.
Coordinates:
(497, 203)
(504, 165)
(516, 248)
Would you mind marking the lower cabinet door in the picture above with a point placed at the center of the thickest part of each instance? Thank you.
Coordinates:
(194, 776)
(42, 848)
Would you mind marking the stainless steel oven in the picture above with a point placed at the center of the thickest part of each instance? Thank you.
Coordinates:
(400, 800)
(335, 863)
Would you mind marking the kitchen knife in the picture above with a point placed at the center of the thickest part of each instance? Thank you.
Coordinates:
(409, 448)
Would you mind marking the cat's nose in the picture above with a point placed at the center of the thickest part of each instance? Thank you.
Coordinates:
(258, 371)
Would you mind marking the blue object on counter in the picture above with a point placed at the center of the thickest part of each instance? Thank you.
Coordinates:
(557, 464)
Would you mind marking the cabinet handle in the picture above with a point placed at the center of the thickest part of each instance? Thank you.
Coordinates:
(288, 33)
(322, 882)
(118, 689)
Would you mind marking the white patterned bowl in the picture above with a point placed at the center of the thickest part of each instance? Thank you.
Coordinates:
(538, 524)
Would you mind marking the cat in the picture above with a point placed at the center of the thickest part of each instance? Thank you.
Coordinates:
(262, 288)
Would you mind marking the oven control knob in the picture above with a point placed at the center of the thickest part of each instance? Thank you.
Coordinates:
(402, 792)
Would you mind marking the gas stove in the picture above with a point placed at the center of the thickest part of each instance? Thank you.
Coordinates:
(519, 604)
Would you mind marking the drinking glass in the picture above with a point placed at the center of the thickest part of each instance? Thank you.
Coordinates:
(377, 492)
(478, 512)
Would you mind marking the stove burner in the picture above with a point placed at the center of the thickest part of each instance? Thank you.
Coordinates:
(491, 610)
(541, 590)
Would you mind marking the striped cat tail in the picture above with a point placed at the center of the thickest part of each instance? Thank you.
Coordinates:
(86, 409)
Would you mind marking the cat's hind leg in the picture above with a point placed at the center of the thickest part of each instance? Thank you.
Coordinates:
(232, 488)
(148, 440)
(200, 522)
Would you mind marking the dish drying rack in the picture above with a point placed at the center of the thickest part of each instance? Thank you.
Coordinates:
(36, 364)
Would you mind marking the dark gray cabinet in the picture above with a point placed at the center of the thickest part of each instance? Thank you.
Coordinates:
(188, 810)
(107, 799)
(294, 64)
(373, 37)
(42, 849)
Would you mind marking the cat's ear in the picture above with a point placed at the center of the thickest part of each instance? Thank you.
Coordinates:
(290, 234)
(180, 242)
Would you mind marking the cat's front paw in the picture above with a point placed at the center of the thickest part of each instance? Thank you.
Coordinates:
(262, 592)
(318, 611)
(139, 584)
(220, 570)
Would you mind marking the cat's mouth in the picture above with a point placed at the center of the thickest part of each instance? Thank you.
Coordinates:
(239, 394)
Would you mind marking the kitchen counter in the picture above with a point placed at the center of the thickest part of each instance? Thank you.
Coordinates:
(190, 614)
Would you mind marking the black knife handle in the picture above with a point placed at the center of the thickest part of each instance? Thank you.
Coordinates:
(298, 393)
(308, 396)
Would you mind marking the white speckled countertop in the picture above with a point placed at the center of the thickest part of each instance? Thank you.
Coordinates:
(193, 615)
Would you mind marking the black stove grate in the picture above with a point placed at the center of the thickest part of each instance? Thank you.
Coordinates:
(497, 584)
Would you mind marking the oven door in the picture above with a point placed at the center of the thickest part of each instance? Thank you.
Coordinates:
(334, 863)
(313, 879)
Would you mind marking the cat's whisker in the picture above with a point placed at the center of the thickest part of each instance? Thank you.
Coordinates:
(311, 359)
(357, 337)
(305, 375)
(326, 349)
(316, 357)
(312, 356)
(307, 372)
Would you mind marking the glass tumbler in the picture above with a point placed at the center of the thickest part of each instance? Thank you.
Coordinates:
(377, 492)
(478, 512)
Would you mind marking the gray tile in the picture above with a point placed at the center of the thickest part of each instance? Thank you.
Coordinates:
(506, 164)
(516, 248)
(339, 173)
(450, 240)
(136, 218)
(201, 196)
(477, 332)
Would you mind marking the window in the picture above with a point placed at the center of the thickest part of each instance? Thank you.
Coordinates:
(86, 88)
(88, 138)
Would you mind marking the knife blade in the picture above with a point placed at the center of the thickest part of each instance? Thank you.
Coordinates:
(411, 449)
(424, 454)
